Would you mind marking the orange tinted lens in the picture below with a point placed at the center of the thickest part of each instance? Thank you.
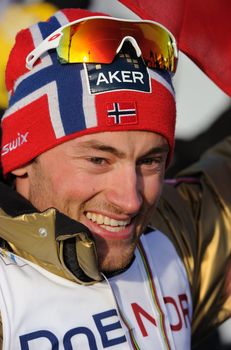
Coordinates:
(96, 41)
(89, 41)
(156, 46)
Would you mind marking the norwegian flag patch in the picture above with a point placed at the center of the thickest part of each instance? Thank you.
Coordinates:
(121, 113)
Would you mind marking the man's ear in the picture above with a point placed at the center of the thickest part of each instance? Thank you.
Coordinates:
(20, 172)
(22, 183)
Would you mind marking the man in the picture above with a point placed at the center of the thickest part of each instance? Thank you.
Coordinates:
(87, 145)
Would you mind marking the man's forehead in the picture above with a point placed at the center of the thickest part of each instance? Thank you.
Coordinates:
(119, 140)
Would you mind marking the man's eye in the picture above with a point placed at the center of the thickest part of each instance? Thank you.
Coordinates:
(97, 160)
(150, 165)
(150, 161)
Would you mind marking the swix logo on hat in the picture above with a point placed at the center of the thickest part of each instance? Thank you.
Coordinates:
(126, 72)
(121, 113)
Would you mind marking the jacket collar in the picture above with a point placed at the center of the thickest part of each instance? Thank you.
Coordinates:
(50, 238)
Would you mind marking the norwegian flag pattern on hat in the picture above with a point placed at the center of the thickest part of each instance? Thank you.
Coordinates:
(56, 102)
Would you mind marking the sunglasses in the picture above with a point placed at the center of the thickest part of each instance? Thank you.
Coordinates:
(98, 39)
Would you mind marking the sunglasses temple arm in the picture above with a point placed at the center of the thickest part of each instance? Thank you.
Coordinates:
(51, 42)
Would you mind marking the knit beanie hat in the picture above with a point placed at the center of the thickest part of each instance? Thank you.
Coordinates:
(55, 102)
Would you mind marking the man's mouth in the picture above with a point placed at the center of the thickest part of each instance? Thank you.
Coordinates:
(108, 223)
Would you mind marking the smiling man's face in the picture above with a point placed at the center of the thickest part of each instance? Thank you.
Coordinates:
(107, 181)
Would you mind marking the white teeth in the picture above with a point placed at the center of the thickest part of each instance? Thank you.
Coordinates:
(100, 219)
(93, 217)
(106, 222)
(113, 228)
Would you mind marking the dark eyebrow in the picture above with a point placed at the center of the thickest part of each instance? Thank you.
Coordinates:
(157, 150)
(101, 147)
(93, 144)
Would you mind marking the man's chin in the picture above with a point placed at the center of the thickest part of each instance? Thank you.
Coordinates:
(115, 259)
(114, 254)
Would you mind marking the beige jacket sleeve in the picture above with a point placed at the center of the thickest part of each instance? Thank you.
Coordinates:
(195, 212)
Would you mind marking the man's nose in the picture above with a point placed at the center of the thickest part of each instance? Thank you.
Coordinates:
(125, 191)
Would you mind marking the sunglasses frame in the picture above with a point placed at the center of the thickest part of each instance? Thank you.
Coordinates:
(52, 41)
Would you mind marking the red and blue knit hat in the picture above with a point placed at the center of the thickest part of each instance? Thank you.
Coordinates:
(54, 102)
